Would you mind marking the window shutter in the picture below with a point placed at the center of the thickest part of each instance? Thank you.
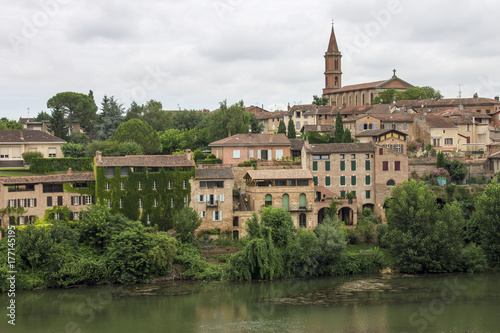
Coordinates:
(220, 215)
(374, 126)
(269, 155)
(79, 200)
(259, 154)
(71, 216)
(221, 198)
(213, 216)
(34, 202)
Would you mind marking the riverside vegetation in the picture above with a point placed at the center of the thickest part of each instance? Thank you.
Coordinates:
(422, 235)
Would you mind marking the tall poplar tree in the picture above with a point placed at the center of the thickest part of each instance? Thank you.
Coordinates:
(292, 134)
(339, 129)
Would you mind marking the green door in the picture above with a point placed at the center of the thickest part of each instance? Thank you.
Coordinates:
(286, 202)
(302, 201)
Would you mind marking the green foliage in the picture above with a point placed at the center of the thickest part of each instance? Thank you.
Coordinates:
(365, 227)
(193, 266)
(440, 160)
(63, 211)
(140, 132)
(381, 233)
(30, 155)
(186, 222)
(58, 124)
(47, 165)
(279, 223)
(391, 95)
(42, 115)
(175, 139)
(292, 133)
(457, 169)
(315, 137)
(110, 118)
(6, 124)
(387, 97)
(347, 137)
(305, 254)
(188, 119)
(338, 135)
(282, 127)
(112, 148)
(332, 241)
(73, 150)
(78, 138)
(359, 263)
(473, 259)
(320, 100)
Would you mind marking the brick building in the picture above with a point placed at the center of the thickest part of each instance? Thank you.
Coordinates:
(243, 147)
(212, 198)
(37, 194)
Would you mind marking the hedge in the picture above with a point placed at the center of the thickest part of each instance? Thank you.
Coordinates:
(47, 165)
(210, 161)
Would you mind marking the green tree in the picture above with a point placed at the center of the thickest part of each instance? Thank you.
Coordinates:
(140, 132)
(110, 118)
(440, 160)
(255, 125)
(78, 107)
(42, 115)
(457, 169)
(387, 97)
(320, 100)
(6, 124)
(112, 148)
(58, 124)
(339, 129)
(282, 127)
(306, 252)
(280, 224)
(188, 119)
(73, 150)
(186, 222)
(134, 111)
(347, 138)
(421, 237)
(418, 93)
(332, 241)
(292, 134)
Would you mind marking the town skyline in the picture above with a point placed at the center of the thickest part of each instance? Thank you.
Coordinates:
(193, 56)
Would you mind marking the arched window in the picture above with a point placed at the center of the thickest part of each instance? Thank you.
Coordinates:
(302, 220)
(268, 200)
(336, 81)
(286, 202)
(391, 182)
(302, 201)
(336, 64)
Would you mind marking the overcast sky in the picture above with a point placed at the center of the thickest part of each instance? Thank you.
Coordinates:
(193, 54)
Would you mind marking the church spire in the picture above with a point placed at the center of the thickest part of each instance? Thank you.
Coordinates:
(332, 46)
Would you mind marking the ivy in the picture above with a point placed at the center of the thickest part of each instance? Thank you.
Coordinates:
(47, 165)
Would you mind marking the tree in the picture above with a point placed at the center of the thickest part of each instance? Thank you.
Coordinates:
(41, 116)
(58, 123)
(6, 124)
(280, 224)
(78, 107)
(292, 134)
(418, 93)
(73, 150)
(457, 169)
(440, 160)
(320, 100)
(282, 127)
(339, 129)
(388, 96)
(134, 111)
(140, 132)
(485, 223)
(332, 241)
(186, 222)
(421, 237)
(255, 125)
(347, 137)
(110, 118)
(174, 139)
(188, 119)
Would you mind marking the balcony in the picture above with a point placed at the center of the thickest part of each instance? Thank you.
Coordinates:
(292, 208)
(213, 203)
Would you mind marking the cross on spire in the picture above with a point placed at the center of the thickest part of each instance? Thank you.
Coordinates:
(394, 73)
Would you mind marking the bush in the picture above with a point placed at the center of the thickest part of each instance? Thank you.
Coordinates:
(73, 150)
(359, 263)
(210, 161)
(29, 156)
(473, 259)
(47, 165)
(381, 232)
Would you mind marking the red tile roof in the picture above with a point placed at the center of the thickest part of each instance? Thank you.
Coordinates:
(253, 140)
(340, 148)
(146, 161)
(24, 136)
(88, 176)
(278, 174)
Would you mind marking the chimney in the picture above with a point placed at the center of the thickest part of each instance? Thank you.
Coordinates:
(22, 136)
(228, 134)
(52, 133)
(424, 116)
(98, 156)
(188, 154)
(250, 135)
(497, 98)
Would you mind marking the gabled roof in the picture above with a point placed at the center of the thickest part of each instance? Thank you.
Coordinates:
(145, 161)
(214, 173)
(445, 102)
(73, 177)
(332, 45)
(304, 107)
(270, 115)
(253, 140)
(388, 117)
(372, 85)
(318, 128)
(340, 148)
(27, 136)
(297, 144)
(278, 174)
(438, 121)
(372, 133)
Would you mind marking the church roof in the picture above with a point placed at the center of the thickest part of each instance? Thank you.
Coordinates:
(332, 45)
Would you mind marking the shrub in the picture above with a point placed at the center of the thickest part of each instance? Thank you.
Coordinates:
(73, 150)
(30, 155)
(473, 259)
(359, 263)
(47, 165)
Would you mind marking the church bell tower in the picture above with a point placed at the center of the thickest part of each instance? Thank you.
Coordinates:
(333, 66)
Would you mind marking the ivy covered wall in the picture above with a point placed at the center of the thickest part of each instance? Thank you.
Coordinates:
(162, 214)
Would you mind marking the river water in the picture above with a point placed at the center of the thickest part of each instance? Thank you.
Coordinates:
(375, 303)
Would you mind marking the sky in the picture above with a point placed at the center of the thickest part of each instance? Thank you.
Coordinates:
(194, 54)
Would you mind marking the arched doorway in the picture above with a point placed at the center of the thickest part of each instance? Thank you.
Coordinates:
(268, 201)
(321, 215)
(286, 202)
(346, 215)
(236, 221)
(371, 206)
(302, 220)
(302, 201)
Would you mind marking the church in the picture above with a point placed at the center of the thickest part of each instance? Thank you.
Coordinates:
(357, 94)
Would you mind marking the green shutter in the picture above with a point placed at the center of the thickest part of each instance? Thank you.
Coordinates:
(367, 179)
(315, 166)
(327, 181)
(315, 181)
(353, 165)
(342, 180)
(342, 194)
(327, 166)
(368, 194)
(353, 180)
(367, 165)
(353, 193)
(342, 165)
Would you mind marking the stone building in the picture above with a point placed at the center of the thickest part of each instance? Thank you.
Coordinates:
(389, 138)
(291, 189)
(37, 194)
(352, 95)
(212, 198)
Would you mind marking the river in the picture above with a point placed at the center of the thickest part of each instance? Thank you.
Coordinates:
(375, 303)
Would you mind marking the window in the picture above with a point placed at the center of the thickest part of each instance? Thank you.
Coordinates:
(353, 193)
(342, 180)
(315, 179)
(49, 201)
(385, 166)
(367, 180)
(268, 201)
(297, 125)
(139, 185)
(381, 151)
(169, 184)
(285, 202)
(315, 166)
(302, 182)
(302, 221)
(327, 181)
(172, 202)
(110, 172)
(52, 152)
(342, 156)
(109, 203)
(468, 127)
(122, 186)
(353, 180)
(436, 142)
(297, 114)
(302, 201)
(75, 200)
(107, 186)
(342, 165)
(236, 153)
(211, 184)
(367, 165)
(186, 199)
(405, 126)
(88, 200)
(221, 198)
(448, 141)
(59, 200)
(121, 203)
(124, 172)
(155, 202)
(353, 156)
(397, 165)
(250, 153)
(342, 194)
(367, 156)
(12, 203)
(391, 182)
(21, 203)
(57, 216)
(184, 184)
(32, 203)
(217, 215)
(140, 203)
(154, 184)
(148, 219)
(76, 216)
(327, 166)
(353, 165)
(202, 214)
(368, 194)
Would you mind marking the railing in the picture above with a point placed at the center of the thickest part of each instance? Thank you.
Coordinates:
(213, 203)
